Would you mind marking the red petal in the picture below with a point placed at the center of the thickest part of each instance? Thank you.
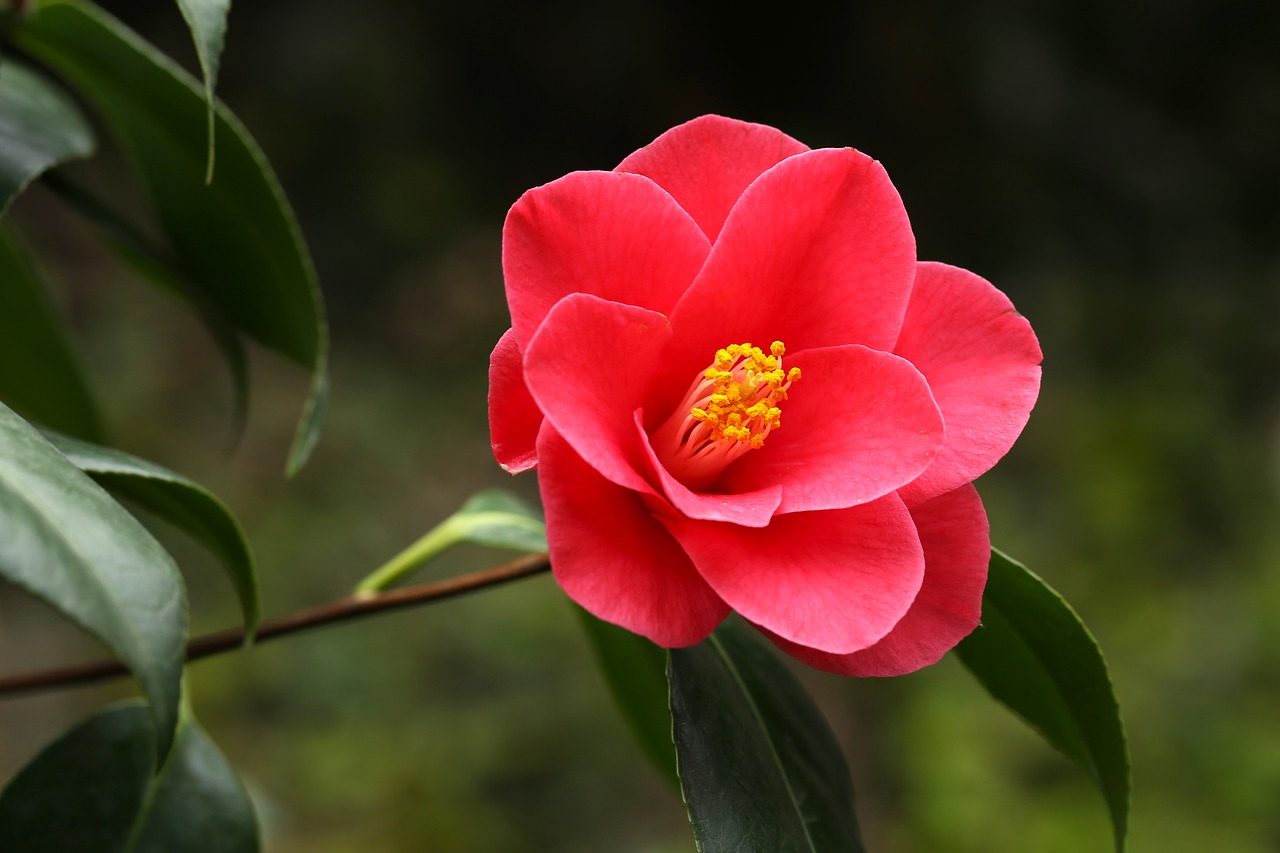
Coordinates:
(817, 252)
(706, 164)
(749, 508)
(982, 362)
(836, 581)
(957, 549)
(611, 556)
(857, 425)
(514, 418)
(620, 237)
(588, 368)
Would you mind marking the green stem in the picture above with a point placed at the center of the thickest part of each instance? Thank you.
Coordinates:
(434, 543)
(460, 527)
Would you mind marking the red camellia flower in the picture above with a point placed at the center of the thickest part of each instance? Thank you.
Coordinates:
(742, 391)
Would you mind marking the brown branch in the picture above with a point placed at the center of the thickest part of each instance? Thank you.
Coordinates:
(351, 607)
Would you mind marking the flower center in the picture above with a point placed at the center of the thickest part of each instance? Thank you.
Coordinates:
(730, 408)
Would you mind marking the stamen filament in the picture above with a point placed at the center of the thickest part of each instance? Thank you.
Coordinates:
(729, 409)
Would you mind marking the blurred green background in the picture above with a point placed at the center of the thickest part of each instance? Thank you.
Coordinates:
(1114, 167)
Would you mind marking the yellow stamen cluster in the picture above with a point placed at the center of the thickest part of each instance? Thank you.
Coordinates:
(746, 385)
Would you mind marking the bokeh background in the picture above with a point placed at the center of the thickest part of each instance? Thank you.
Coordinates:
(1114, 167)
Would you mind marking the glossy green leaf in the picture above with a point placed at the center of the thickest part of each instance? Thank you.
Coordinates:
(636, 671)
(197, 804)
(65, 541)
(1033, 654)
(40, 127)
(492, 518)
(83, 793)
(182, 502)
(40, 376)
(760, 769)
(236, 239)
(94, 791)
(207, 20)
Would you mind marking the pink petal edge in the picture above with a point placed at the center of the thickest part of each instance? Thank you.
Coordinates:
(620, 237)
(707, 162)
(587, 368)
(982, 361)
(817, 252)
(957, 549)
(837, 580)
(857, 425)
(612, 557)
(514, 417)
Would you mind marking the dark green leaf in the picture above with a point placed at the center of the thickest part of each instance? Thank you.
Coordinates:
(1033, 654)
(39, 374)
(82, 794)
(207, 20)
(635, 670)
(760, 769)
(236, 239)
(182, 502)
(40, 127)
(64, 540)
(197, 803)
(93, 791)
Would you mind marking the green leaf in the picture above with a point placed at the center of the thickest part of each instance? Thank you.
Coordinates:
(93, 791)
(498, 519)
(40, 376)
(65, 541)
(759, 767)
(635, 670)
(40, 127)
(207, 20)
(235, 239)
(82, 794)
(491, 518)
(197, 803)
(1033, 654)
(184, 503)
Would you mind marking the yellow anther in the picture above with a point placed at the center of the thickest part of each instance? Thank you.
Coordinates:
(744, 386)
(729, 410)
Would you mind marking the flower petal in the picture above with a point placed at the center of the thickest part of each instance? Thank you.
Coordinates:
(749, 508)
(957, 549)
(817, 252)
(857, 425)
(836, 581)
(514, 417)
(620, 237)
(983, 363)
(611, 556)
(706, 163)
(588, 368)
